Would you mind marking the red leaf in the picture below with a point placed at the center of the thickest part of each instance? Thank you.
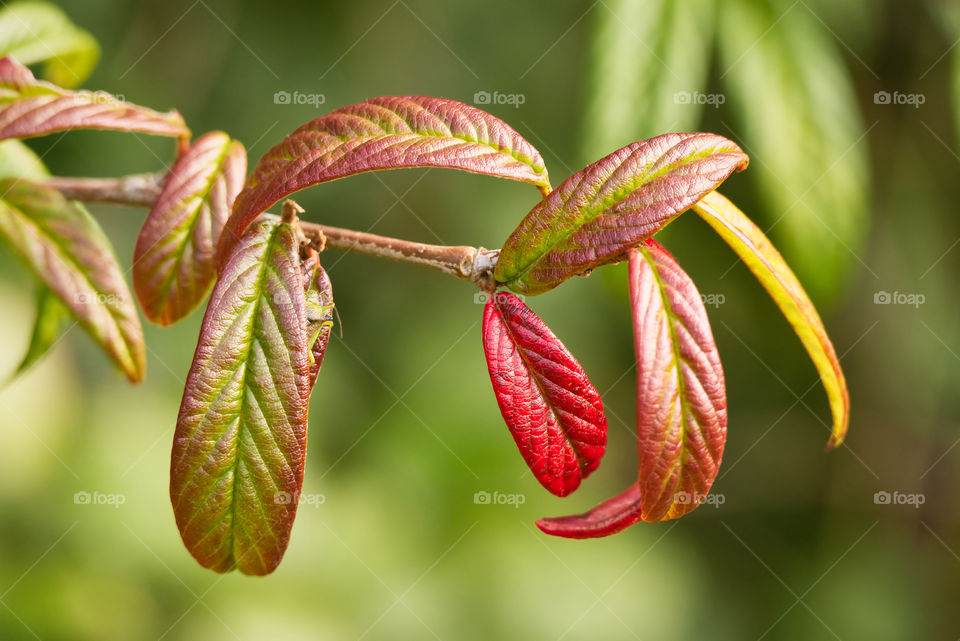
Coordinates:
(173, 263)
(29, 107)
(600, 212)
(681, 403)
(391, 132)
(552, 410)
(608, 518)
(681, 398)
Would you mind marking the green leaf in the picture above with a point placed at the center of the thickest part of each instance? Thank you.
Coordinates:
(18, 160)
(798, 115)
(51, 320)
(62, 243)
(648, 65)
(763, 259)
(173, 266)
(40, 32)
(602, 211)
(240, 442)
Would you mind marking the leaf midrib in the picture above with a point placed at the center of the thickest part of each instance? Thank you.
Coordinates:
(262, 269)
(190, 224)
(677, 360)
(581, 464)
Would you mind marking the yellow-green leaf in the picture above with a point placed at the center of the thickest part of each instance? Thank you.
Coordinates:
(766, 263)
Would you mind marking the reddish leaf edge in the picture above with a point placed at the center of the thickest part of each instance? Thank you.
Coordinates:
(610, 517)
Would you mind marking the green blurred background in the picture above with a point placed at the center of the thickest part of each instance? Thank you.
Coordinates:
(860, 193)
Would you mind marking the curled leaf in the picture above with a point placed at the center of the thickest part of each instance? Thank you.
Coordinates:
(240, 441)
(29, 107)
(599, 213)
(610, 517)
(554, 413)
(319, 298)
(386, 133)
(766, 263)
(681, 399)
(173, 266)
(62, 243)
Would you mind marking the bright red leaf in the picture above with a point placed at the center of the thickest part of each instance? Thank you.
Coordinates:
(554, 413)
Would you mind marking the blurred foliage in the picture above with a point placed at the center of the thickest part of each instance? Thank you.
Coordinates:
(404, 427)
(778, 87)
(41, 32)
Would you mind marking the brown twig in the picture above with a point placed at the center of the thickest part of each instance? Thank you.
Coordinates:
(461, 261)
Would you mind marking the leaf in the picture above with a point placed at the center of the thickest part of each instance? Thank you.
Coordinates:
(766, 263)
(681, 402)
(681, 399)
(386, 133)
(319, 300)
(18, 160)
(30, 108)
(40, 32)
(173, 266)
(798, 114)
(598, 213)
(240, 441)
(554, 413)
(668, 45)
(62, 243)
(608, 518)
(48, 327)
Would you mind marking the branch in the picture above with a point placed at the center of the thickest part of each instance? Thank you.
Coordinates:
(137, 189)
(461, 261)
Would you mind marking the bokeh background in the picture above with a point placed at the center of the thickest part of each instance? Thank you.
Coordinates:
(858, 188)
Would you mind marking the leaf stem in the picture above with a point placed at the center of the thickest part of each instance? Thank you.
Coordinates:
(474, 264)
(136, 189)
